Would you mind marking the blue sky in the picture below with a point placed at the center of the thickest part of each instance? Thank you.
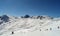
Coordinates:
(31, 7)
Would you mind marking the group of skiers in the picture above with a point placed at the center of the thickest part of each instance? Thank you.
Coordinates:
(51, 28)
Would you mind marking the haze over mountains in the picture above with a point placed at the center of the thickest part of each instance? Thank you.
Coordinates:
(29, 26)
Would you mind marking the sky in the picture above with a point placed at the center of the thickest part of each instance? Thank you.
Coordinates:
(30, 7)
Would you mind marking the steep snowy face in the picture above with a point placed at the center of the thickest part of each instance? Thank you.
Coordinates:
(15, 26)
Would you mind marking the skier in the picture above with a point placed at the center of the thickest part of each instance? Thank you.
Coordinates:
(50, 28)
(58, 27)
(12, 32)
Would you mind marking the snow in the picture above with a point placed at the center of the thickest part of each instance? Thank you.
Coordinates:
(30, 27)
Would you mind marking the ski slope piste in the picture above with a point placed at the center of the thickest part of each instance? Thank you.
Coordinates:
(29, 26)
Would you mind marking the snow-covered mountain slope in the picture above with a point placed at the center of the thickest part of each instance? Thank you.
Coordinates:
(29, 26)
